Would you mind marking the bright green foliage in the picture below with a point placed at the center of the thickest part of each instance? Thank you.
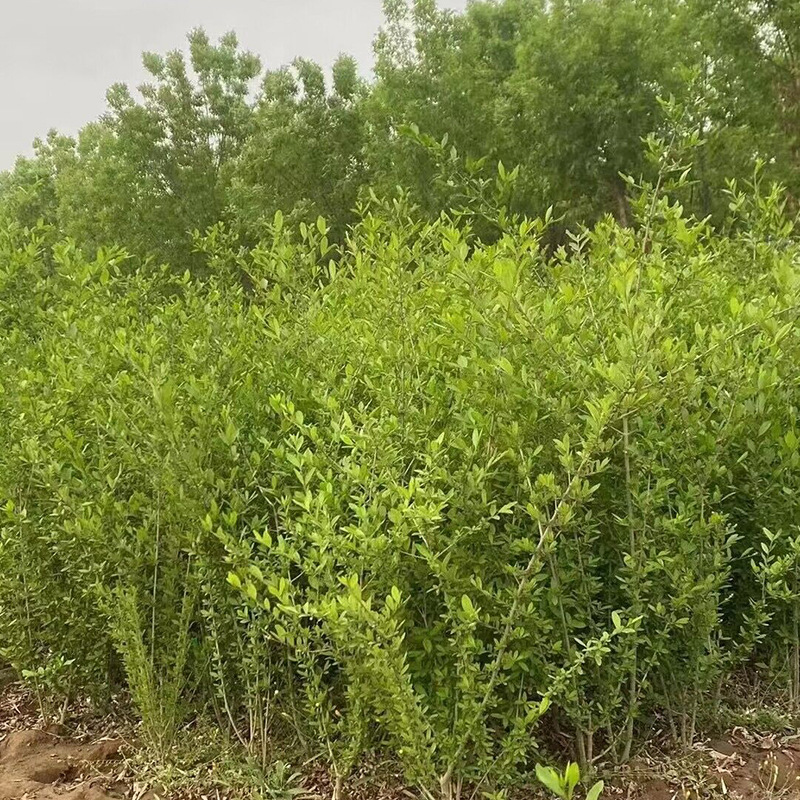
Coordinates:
(563, 785)
(414, 494)
(415, 472)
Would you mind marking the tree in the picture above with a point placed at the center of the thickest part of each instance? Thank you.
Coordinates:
(152, 170)
(305, 154)
(570, 89)
(423, 79)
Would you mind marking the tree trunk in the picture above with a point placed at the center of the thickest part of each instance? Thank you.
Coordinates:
(621, 202)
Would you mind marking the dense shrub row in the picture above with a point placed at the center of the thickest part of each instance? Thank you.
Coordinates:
(417, 494)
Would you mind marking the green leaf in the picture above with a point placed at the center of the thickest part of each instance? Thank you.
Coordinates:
(550, 778)
(505, 365)
(234, 580)
(466, 605)
(505, 271)
(595, 791)
(572, 775)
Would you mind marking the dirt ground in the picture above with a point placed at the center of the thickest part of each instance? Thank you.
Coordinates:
(741, 766)
(37, 764)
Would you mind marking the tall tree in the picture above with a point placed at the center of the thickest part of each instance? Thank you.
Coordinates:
(305, 154)
(153, 169)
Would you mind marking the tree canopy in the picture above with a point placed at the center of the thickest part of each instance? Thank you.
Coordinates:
(568, 90)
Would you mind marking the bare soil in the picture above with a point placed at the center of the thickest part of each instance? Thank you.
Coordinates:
(39, 765)
(49, 764)
(45, 764)
(742, 765)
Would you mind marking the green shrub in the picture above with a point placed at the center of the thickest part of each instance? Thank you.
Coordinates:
(413, 494)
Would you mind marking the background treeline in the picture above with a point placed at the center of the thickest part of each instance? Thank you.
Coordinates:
(566, 89)
(346, 442)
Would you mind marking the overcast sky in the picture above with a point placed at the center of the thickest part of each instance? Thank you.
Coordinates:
(58, 57)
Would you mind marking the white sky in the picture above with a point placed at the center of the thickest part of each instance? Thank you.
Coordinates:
(58, 57)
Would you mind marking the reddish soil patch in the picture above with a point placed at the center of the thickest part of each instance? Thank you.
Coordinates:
(37, 765)
(742, 766)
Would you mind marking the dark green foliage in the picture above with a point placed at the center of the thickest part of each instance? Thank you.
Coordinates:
(567, 91)
(305, 155)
